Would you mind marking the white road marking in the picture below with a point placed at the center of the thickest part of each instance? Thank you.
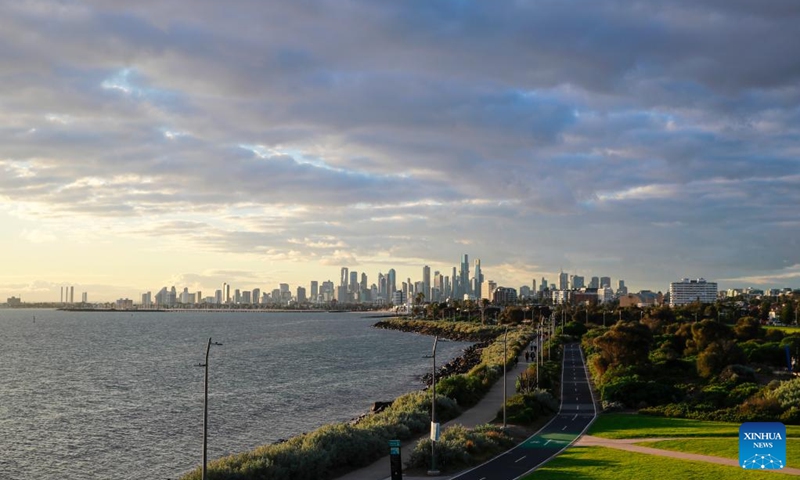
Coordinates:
(575, 417)
(522, 457)
(565, 427)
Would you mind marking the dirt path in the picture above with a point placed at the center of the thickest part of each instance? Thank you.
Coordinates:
(627, 444)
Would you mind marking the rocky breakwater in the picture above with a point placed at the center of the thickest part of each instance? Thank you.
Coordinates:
(462, 364)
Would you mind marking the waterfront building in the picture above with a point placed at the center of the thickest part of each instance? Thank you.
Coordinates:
(301, 295)
(315, 290)
(353, 285)
(464, 276)
(344, 279)
(256, 296)
(688, 291)
(246, 300)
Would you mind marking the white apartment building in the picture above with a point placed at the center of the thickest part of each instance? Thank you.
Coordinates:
(688, 291)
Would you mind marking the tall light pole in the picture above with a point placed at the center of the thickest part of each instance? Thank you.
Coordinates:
(434, 425)
(205, 408)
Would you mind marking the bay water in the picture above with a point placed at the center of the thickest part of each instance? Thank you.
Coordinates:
(114, 395)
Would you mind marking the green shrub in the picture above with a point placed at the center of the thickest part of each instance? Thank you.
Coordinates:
(524, 409)
(459, 447)
(788, 393)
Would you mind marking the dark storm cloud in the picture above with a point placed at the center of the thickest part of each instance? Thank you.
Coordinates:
(675, 122)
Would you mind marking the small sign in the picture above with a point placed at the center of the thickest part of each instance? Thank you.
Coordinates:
(395, 460)
(434, 432)
(762, 446)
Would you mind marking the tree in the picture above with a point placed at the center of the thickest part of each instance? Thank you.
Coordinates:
(748, 328)
(484, 303)
(626, 343)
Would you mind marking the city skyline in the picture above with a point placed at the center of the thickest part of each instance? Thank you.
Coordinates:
(190, 143)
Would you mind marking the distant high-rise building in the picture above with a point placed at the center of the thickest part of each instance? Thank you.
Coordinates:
(391, 282)
(218, 297)
(606, 282)
(343, 281)
(533, 287)
(185, 295)
(237, 297)
(688, 291)
(147, 300)
(301, 295)
(492, 287)
(543, 286)
(464, 278)
(576, 281)
(62, 294)
(477, 285)
(314, 291)
(71, 294)
(353, 285)
(563, 281)
(426, 282)
(256, 296)
(226, 293)
(621, 288)
(594, 282)
(364, 286)
(246, 300)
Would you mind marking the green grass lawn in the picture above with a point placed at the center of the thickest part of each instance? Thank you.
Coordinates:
(599, 463)
(722, 447)
(623, 425)
(787, 330)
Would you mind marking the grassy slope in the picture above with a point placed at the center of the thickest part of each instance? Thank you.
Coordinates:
(599, 463)
(621, 425)
(787, 330)
(721, 447)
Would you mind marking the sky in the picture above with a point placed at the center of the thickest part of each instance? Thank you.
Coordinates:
(194, 142)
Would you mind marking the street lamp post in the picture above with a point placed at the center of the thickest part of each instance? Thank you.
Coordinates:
(434, 426)
(205, 408)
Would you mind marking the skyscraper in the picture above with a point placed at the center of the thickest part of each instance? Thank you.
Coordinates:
(426, 282)
(606, 282)
(344, 279)
(391, 282)
(353, 286)
(563, 281)
(464, 280)
(594, 282)
(477, 287)
(314, 290)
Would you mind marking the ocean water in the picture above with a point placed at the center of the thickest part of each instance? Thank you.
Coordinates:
(120, 395)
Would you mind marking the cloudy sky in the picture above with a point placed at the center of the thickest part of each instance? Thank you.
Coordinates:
(192, 142)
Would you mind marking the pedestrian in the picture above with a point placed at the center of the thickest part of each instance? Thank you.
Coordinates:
(527, 356)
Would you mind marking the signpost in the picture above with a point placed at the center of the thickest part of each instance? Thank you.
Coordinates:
(395, 460)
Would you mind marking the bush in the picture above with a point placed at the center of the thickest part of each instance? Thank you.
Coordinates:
(634, 392)
(459, 447)
(466, 390)
(524, 409)
(788, 393)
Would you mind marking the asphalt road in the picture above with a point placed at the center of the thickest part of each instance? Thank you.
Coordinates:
(577, 412)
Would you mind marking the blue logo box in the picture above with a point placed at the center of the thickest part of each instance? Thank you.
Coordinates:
(762, 446)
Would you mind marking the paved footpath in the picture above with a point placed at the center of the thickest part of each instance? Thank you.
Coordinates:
(484, 412)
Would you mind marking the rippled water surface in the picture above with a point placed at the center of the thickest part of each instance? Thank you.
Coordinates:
(119, 395)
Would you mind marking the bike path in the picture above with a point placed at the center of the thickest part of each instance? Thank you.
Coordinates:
(577, 412)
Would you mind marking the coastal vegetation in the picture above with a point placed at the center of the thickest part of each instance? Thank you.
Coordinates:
(460, 447)
(668, 365)
(338, 448)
